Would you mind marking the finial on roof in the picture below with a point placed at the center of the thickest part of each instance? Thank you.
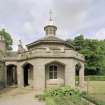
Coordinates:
(50, 14)
(51, 21)
(50, 28)
(20, 42)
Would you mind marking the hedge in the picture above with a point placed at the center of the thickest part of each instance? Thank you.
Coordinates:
(95, 78)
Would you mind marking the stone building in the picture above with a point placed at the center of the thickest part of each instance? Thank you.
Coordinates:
(47, 62)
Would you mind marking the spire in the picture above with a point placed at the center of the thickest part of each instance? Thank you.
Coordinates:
(50, 28)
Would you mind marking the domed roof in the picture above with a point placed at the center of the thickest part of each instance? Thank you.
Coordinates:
(50, 39)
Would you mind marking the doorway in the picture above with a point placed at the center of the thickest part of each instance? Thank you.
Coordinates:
(28, 74)
(77, 74)
(11, 74)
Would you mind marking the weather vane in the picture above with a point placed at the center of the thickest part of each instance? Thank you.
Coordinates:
(50, 13)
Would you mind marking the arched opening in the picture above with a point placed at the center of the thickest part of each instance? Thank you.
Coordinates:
(55, 74)
(28, 74)
(11, 74)
(77, 74)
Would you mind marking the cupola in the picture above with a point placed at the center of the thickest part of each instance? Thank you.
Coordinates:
(50, 28)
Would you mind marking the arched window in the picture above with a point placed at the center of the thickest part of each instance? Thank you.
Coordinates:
(53, 72)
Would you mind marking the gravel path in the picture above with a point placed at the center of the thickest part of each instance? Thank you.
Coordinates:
(17, 96)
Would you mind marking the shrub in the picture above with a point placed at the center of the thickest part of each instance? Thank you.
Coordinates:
(61, 91)
(41, 97)
(62, 96)
(50, 101)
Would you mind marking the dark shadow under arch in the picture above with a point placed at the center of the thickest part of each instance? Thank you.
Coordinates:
(11, 74)
(28, 73)
(77, 74)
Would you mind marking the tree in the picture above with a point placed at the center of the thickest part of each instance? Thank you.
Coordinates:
(8, 39)
(94, 52)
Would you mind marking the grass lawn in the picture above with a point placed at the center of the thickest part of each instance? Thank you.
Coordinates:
(97, 89)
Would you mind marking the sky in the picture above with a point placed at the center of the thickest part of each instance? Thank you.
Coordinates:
(25, 19)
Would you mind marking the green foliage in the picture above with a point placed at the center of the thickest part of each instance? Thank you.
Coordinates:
(61, 91)
(58, 91)
(8, 39)
(50, 101)
(62, 96)
(94, 52)
(68, 96)
(65, 100)
(41, 97)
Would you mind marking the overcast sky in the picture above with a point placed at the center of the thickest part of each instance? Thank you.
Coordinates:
(25, 19)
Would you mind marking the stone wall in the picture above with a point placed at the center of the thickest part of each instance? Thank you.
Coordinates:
(40, 57)
(39, 82)
(51, 53)
(2, 75)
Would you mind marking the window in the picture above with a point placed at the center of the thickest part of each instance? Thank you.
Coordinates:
(53, 72)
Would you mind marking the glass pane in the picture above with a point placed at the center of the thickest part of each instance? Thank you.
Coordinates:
(53, 72)
(50, 75)
(55, 68)
(51, 68)
(55, 75)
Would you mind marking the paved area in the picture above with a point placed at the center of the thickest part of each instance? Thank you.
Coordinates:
(16, 96)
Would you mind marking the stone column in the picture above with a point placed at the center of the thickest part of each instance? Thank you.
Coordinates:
(70, 74)
(20, 76)
(5, 72)
(39, 77)
(81, 76)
